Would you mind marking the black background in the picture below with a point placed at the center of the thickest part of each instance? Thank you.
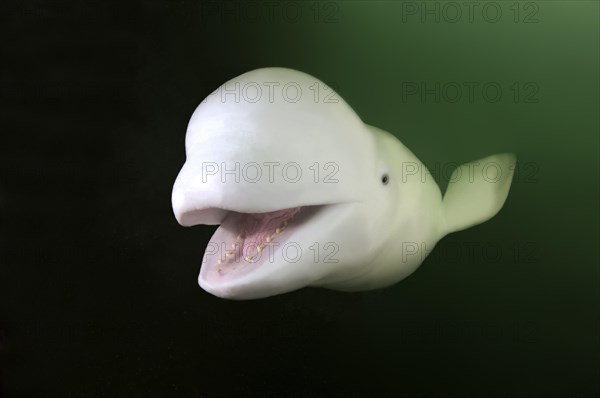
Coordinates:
(98, 282)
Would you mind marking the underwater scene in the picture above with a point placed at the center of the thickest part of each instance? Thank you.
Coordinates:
(300, 198)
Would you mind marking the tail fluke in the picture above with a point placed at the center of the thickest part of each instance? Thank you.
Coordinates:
(477, 191)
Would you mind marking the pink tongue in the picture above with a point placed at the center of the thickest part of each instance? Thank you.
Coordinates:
(255, 228)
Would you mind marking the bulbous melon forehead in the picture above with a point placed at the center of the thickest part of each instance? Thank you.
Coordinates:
(318, 151)
(277, 105)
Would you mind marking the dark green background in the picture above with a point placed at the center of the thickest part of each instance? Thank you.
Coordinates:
(98, 291)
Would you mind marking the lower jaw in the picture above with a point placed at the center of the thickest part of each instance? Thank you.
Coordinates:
(273, 272)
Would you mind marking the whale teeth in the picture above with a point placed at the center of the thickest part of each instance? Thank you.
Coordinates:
(254, 254)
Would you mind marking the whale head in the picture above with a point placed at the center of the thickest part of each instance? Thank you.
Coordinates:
(294, 178)
(306, 194)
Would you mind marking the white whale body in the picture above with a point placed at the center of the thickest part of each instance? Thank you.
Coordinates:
(306, 194)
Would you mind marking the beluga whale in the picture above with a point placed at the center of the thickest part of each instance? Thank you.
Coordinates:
(307, 194)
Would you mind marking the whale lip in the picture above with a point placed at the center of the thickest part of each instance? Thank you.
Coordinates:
(191, 208)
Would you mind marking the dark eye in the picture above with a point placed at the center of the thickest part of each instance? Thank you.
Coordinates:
(385, 179)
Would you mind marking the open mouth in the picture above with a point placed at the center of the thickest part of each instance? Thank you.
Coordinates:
(255, 232)
(258, 254)
(246, 241)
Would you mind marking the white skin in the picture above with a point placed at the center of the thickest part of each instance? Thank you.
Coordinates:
(370, 212)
